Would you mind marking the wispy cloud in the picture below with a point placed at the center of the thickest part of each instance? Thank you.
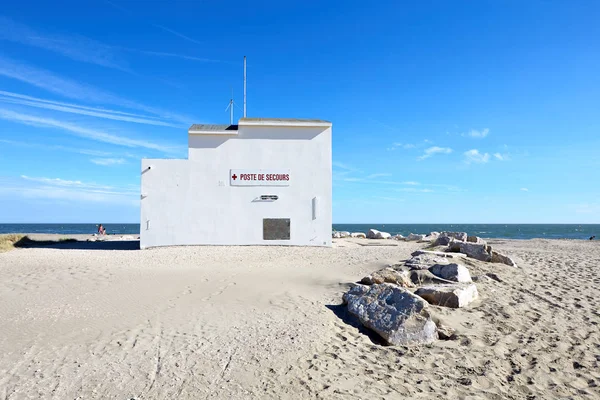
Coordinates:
(524, 189)
(353, 179)
(164, 28)
(410, 183)
(343, 166)
(175, 55)
(414, 190)
(379, 175)
(178, 34)
(474, 133)
(83, 131)
(74, 47)
(70, 190)
(499, 156)
(108, 161)
(52, 147)
(474, 156)
(433, 151)
(15, 98)
(75, 90)
(406, 146)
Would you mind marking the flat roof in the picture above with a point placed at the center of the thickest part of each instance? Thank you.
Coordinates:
(226, 129)
(283, 122)
(211, 129)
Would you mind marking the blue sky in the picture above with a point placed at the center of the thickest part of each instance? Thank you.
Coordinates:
(442, 111)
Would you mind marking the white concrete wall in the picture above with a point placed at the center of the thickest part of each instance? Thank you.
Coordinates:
(187, 202)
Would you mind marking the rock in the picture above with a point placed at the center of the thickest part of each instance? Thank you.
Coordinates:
(388, 275)
(344, 234)
(453, 296)
(481, 252)
(127, 237)
(501, 258)
(476, 239)
(358, 235)
(432, 237)
(336, 235)
(425, 261)
(452, 272)
(462, 236)
(414, 237)
(445, 332)
(442, 241)
(437, 254)
(372, 233)
(398, 316)
(398, 237)
(356, 290)
(375, 234)
(446, 237)
(424, 277)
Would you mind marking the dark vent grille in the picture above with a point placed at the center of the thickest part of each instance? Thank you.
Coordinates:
(276, 229)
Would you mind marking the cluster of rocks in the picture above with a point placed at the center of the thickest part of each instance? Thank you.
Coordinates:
(375, 234)
(460, 242)
(394, 301)
(474, 247)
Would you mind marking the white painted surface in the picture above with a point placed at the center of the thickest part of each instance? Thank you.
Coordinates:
(192, 201)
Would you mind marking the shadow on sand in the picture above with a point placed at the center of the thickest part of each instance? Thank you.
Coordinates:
(72, 244)
(341, 311)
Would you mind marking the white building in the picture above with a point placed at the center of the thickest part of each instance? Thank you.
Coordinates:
(261, 182)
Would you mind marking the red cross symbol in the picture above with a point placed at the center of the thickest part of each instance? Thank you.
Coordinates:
(234, 177)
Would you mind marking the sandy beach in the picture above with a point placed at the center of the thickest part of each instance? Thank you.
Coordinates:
(87, 320)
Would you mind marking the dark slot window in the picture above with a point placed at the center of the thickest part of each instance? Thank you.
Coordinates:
(276, 229)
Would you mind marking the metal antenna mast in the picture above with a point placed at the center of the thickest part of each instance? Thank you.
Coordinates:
(244, 86)
(230, 107)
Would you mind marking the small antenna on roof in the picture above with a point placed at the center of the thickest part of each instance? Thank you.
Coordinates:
(230, 107)
(244, 86)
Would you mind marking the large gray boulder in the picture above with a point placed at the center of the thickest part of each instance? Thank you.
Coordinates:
(398, 237)
(425, 277)
(442, 254)
(358, 235)
(481, 252)
(452, 272)
(383, 235)
(415, 237)
(375, 234)
(344, 234)
(476, 239)
(425, 261)
(462, 236)
(397, 315)
(501, 258)
(336, 235)
(442, 240)
(454, 296)
(389, 275)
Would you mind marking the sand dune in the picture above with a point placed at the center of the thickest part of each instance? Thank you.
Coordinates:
(249, 322)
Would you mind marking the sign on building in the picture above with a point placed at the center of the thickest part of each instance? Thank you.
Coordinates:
(259, 177)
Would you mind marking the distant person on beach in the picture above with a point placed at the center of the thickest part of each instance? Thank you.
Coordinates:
(101, 230)
(593, 237)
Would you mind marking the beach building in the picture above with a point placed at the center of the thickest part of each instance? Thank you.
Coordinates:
(260, 182)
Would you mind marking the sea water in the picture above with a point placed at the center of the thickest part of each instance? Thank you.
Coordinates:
(508, 231)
